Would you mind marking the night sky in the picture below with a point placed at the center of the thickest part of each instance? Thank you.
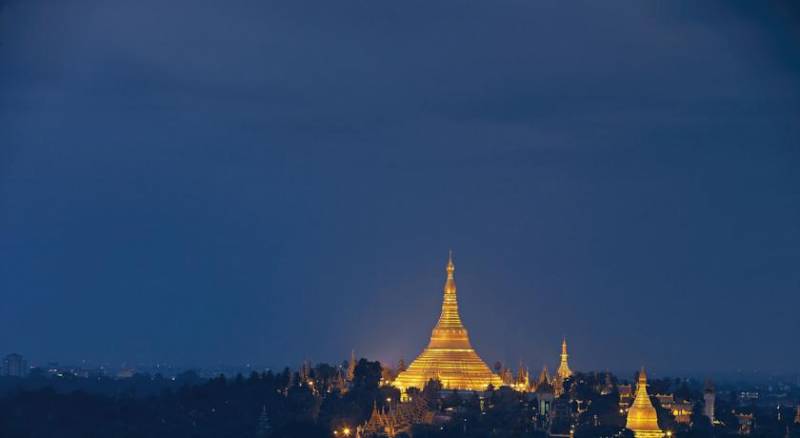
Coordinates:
(204, 182)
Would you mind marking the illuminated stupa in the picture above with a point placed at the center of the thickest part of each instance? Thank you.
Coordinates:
(642, 418)
(563, 368)
(449, 356)
(563, 372)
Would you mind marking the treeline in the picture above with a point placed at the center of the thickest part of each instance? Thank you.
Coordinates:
(315, 401)
(270, 404)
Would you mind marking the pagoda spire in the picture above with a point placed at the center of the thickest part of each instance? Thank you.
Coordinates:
(451, 267)
(563, 367)
(450, 318)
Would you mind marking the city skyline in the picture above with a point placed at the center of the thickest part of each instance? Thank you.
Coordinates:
(446, 314)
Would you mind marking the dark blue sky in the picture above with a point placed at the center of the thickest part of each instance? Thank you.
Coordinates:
(199, 182)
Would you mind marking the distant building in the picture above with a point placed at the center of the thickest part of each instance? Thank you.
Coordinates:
(625, 396)
(667, 401)
(709, 397)
(305, 371)
(396, 418)
(608, 386)
(682, 411)
(747, 397)
(126, 373)
(53, 368)
(745, 423)
(545, 398)
(523, 382)
(14, 365)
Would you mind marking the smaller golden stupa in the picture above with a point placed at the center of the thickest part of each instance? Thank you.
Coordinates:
(642, 418)
(563, 368)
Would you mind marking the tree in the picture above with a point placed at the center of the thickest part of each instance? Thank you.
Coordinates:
(701, 425)
(367, 375)
(432, 389)
(452, 400)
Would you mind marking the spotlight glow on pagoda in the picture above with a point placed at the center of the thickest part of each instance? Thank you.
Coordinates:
(642, 417)
(449, 356)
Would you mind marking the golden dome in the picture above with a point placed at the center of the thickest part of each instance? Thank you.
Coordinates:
(642, 418)
(449, 356)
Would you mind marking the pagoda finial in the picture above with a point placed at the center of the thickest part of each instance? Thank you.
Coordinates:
(450, 318)
(451, 267)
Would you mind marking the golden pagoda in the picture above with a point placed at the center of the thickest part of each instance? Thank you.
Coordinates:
(642, 418)
(563, 368)
(449, 356)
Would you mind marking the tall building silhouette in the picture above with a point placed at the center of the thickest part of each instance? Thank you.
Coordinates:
(14, 365)
(709, 397)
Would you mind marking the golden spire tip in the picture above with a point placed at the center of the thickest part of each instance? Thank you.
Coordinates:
(450, 265)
